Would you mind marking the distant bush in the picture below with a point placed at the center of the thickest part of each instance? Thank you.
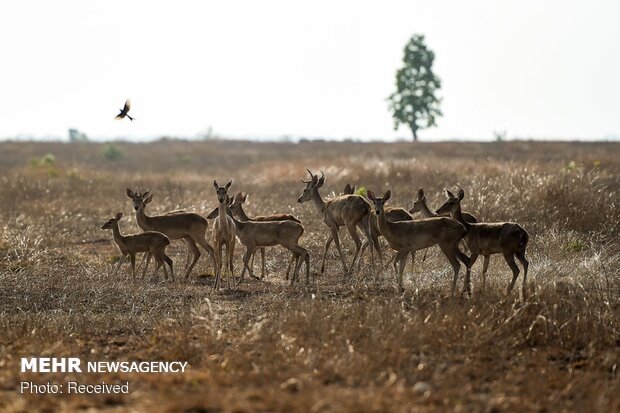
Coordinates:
(361, 191)
(46, 160)
(112, 153)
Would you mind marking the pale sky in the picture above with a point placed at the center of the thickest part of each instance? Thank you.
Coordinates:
(546, 69)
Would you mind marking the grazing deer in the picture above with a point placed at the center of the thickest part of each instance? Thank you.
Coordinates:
(190, 227)
(344, 210)
(506, 238)
(152, 242)
(237, 209)
(261, 234)
(224, 234)
(410, 236)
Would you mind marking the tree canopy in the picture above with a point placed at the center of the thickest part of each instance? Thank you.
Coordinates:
(415, 102)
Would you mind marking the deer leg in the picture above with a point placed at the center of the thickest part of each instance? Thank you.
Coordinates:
(231, 255)
(146, 257)
(262, 258)
(288, 267)
(118, 265)
(400, 261)
(133, 266)
(218, 266)
(327, 244)
(485, 267)
(510, 260)
(450, 252)
(158, 262)
(168, 261)
(249, 252)
(202, 241)
(358, 243)
(337, 242)
(196, 253)
(526, 264)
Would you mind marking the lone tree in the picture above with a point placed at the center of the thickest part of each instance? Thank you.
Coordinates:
(414, 103)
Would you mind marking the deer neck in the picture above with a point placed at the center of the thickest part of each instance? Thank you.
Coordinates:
(242, 215)
(221, 213)
(142, 218)
(384, 224)
(458, 215)
(318, 202)
(118, 237)
(425, 211)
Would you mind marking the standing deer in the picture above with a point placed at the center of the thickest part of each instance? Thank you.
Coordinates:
(224, 234)
(151, 242)
(392, 214)
(410, 236)
(261, 234)
(237, 209)
(188, 226)
(420, 205)
(506, 238)
(344, 210)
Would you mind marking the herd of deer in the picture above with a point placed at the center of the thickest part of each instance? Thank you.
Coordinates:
(446, 227)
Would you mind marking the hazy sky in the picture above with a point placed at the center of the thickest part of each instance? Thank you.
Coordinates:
(322, 68)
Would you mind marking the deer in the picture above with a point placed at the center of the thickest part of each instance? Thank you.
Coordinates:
(344, 210)
(224, 234)
(260, 234)
(393, 214)
(237, 209)
(188, 226)
(152, 242)
(485, 238)
(420, 205)
(409, 236)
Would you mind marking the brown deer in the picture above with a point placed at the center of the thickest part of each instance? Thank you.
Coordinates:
(344, 210)
(237, 209)
(151, 242)
(261, 234)
(420, 205)
(483, 238)
(224, 234)
(409, 236)
(188, 226)
(392, 214)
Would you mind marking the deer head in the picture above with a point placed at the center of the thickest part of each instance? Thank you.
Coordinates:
(311, 186)
(452, 203)
(140, 200)
(222, 191)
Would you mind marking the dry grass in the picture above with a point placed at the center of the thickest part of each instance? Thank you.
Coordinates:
(329, 347)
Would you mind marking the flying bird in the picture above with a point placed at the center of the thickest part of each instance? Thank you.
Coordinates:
(125, 111)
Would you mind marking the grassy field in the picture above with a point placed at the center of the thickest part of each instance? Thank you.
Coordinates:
(332, 346)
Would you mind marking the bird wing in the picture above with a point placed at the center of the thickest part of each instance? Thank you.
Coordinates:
(127, 106)
(119, 116)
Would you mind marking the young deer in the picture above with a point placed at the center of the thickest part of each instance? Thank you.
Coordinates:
(261, 234)
(344, 210)
(392, 214)
(420, 205)
(151, 242)
(223, 234)
(237, 209)
(506, 238)
(410, 236)
(190, 227)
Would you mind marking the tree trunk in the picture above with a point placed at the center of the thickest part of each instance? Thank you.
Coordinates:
(415, 134)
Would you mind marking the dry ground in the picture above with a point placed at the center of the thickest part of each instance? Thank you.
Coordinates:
(330, 347)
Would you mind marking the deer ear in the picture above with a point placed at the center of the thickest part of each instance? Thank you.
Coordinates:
(228, 184)
(148, 199)
(244, 198)
(146, 193)
(213, 213)
(129, 192)
(388, 195)
(420, 193)
(450, 194)
(119, 215)
(321, 182)
(370, 195)
(215, 185)
(347, 189)
(461, 194)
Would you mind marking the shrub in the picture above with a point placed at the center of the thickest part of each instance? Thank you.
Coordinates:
(112, 153)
